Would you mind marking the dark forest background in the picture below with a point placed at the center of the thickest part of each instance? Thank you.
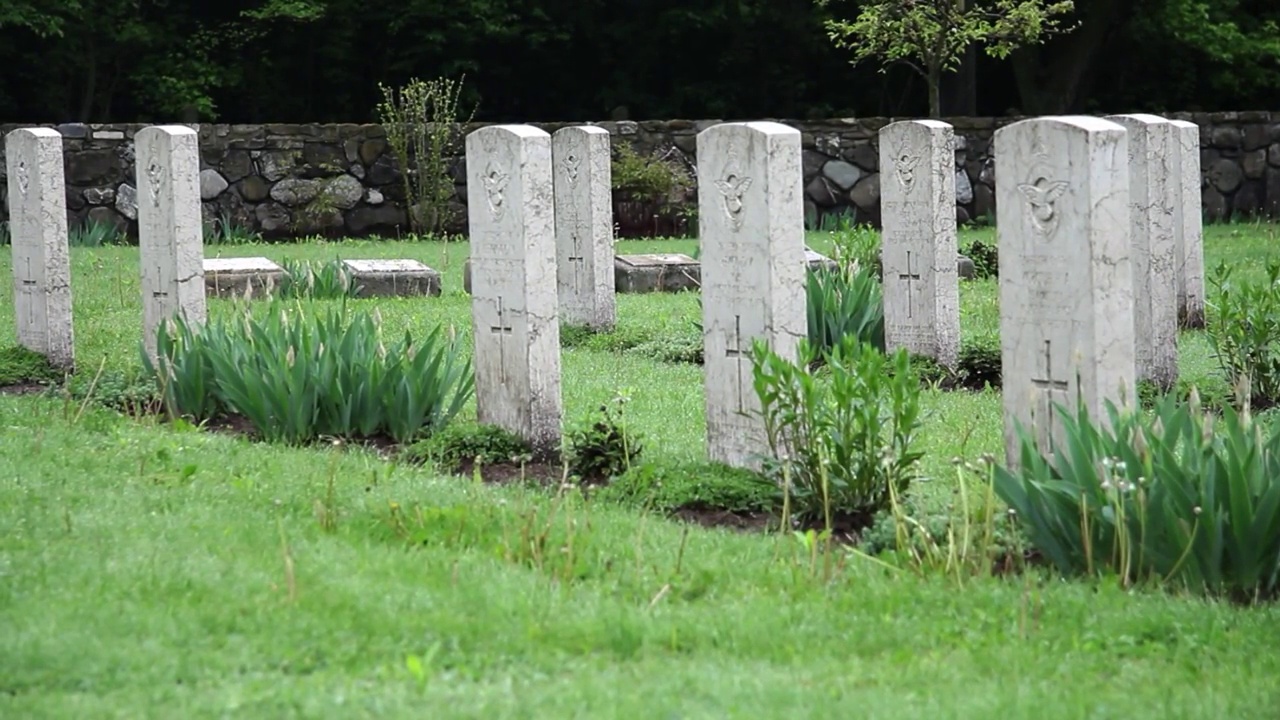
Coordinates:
(574, 60)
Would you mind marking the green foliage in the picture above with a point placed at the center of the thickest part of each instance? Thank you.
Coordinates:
(21, 365)
(679, 348)
(843, 303)
(454, 446)
(224, 230)
(856, 246)
(422, 126)
(668, 487)
(840, 442)
(1175, 500)
(980, 362)
(301, 280)
(130, 393)
(95, 234)
(1244, 332)
(985, 257)
(298, 375)
(647, 177)
(932, 35)
(606, 448)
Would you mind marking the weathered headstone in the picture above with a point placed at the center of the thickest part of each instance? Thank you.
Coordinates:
(1189, 226)
(584, 226)
(918, 246)
(170, 227)
(393, 278)
(514, 307)
(751, 226)
(656, 272)
(1066, 283)
(38, 232)
(1153, 200)
(240, 277)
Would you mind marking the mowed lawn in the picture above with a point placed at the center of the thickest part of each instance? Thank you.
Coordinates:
(151, 570)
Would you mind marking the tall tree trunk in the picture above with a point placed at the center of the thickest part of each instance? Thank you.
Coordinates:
(1055, 87)
(935, 91)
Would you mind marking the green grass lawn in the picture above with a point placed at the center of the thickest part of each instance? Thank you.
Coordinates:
(154, 570)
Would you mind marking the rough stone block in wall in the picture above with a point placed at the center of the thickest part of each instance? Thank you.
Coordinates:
(343, 179)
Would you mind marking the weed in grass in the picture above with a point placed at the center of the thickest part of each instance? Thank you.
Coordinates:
(456, 447)
(94, 234)
(224, 230)
(1244, 332)
(606, 447)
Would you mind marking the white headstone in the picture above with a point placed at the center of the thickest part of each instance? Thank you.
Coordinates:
(1153, 199)
(918, 245)
(584, 226)
(1066, 283)
(1189, 226)
(751, 228)
(514, 307)
(38, 232)
(170, 227)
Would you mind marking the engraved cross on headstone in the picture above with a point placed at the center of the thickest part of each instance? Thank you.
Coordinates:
(910, 277)
(162, 292)
(29, 288)
(734, 349)
(578, 260)
(1049, 387)
(502, 330)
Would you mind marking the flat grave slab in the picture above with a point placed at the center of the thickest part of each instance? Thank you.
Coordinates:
(229, 277)
(393, 278)
(656, 272)
(817, 260)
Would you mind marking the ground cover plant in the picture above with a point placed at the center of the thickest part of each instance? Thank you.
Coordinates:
(272, 580)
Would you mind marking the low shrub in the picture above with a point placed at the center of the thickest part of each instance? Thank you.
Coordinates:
(985, 257)
(455, 446)
(1176, 500)
(840, 443)
(980, 362)
(605, 448)
(297, 376)
(20, 365)
(682, 348)
(1244, 332)
(667, 487)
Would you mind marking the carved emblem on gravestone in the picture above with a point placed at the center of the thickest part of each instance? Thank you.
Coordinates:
(732, 188)
(156, 174)
(495, 185)
(572, 164)
(24, 179)
(1042, 195)
(905, 166)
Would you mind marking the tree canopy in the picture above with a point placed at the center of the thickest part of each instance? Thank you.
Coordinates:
(576, 60)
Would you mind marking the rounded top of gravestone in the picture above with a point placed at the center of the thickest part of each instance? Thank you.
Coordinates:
(1086, 123)
(35, 132)
(1137, 119)
(928, 123)
(764, 127)
(584, 129)
(171, 130)
(520, 131)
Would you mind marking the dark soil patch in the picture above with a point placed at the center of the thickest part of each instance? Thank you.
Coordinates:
(24, 388)
(540, 473)
(845, 529)
(710, 517)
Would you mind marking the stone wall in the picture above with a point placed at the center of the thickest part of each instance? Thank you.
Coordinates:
(342, 180)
